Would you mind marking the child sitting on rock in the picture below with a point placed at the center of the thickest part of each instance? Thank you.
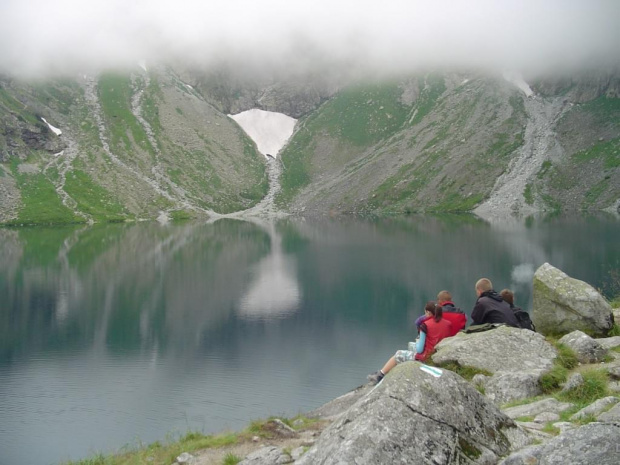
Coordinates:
(432, 330)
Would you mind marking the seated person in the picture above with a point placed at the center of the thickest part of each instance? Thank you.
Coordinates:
(509, 297)
(432, 330)
(490, 307)
(452, 313)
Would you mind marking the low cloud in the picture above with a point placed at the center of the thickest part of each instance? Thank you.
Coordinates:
(65, 36)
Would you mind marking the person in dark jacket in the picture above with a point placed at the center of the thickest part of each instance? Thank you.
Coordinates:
(490, 307)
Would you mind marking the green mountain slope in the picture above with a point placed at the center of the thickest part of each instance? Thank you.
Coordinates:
(430, 143)
(132, 146)
(454, 143)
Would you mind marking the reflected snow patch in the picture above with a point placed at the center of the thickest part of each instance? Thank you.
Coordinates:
(275, 292)
(268, 129)
(523, 273)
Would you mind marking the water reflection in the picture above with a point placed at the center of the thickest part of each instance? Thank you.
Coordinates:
(274, 290)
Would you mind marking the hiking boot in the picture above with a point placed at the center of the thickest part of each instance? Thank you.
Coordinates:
(375, 377)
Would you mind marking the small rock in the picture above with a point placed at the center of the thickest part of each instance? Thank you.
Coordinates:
(480, 380)
(269, 455)
(595, 408)
(530, 425)
(535, 408)
(614, 372)
(611, 416)
(575, 380)
(588, 350)
(564, 426)
(186, 458)
(614, 386)
(609, 342)
(297, 453)
(546, 417)
(504, 387)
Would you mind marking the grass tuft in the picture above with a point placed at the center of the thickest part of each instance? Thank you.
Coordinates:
(466, 372)
(231, 459)
(594, 387)
(566, 356)
(552, 380)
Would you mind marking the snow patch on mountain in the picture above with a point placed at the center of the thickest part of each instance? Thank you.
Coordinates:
(516, 79)
(55, 130)
(268, 129)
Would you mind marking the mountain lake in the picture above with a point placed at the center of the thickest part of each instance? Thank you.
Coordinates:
(118, 335)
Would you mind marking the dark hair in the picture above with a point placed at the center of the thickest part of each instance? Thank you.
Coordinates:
(436, 310)
(508, 296)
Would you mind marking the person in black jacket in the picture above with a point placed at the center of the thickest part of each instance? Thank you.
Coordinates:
(490, 307)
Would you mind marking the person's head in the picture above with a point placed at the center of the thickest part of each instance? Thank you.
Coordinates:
(433, 310)
(508, 296)
(443, 296)
(483, 285)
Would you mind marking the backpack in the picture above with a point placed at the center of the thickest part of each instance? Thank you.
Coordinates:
(523, 318)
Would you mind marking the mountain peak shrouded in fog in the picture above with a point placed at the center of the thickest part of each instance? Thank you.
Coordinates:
(66, 36)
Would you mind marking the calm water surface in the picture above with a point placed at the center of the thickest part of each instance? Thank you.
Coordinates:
(120, 334)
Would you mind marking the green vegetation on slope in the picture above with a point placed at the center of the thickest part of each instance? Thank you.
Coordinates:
(14, 106)
(92, 199)
(40, 202)
(126, 133)
(428, 182)
(356, 119)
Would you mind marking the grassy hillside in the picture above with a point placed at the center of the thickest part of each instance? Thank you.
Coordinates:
(133, 145)
(429, 143)
(588, 176)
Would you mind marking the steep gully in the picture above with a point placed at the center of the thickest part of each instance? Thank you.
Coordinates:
(539, 144)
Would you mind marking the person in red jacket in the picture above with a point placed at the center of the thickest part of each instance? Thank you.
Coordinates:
(452, 313)
(432, 330)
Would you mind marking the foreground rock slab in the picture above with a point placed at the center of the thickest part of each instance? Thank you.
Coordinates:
(415, 416)
(521, 349)
(563, 304)
(595, 443)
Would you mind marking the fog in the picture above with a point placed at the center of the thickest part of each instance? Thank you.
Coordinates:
(531, 36)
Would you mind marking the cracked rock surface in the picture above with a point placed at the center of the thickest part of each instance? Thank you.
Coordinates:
(415, 417)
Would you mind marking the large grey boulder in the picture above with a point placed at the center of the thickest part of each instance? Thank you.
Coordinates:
(595, 443)
(268, 455)
(563, 304)
(413, 416)
(586, 349)
(502, 349)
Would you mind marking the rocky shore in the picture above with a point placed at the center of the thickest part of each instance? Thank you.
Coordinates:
(505, 396)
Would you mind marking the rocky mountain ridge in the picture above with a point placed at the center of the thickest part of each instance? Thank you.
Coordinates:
(157, 143)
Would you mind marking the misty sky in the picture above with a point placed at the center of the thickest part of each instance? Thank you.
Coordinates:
(42, 36)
